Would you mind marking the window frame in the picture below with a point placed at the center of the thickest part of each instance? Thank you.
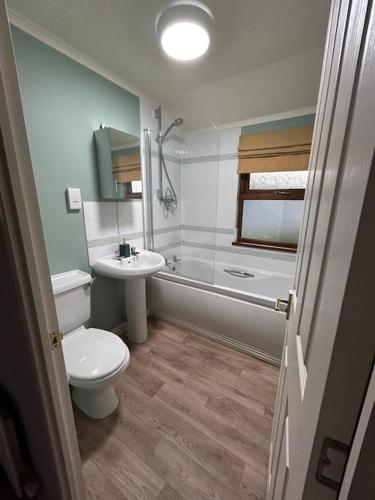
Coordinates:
(245, 193)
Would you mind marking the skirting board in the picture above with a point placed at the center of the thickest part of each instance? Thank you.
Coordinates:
(221, 339)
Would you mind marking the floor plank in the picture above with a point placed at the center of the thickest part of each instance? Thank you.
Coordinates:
(187, 477)
(132, 476)
(169, 493)
(246, 419)
(253, 448)
(190, 440)
(98, 484)
(193, 422)
(141, 378)
(253, 484)
(159, 368)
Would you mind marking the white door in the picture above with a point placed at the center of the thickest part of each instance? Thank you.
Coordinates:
(322, 263)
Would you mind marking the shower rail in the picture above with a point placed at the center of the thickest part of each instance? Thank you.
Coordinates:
(148, 224)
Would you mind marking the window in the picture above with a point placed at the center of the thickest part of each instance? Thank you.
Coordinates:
(133, 189)
(270, 208)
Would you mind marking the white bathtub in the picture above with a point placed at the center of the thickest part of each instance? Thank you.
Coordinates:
(235, 310)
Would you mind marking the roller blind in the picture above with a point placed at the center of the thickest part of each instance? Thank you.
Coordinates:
(127, 168)
(278, 150)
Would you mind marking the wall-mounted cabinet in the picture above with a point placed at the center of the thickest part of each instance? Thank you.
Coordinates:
(119, 164)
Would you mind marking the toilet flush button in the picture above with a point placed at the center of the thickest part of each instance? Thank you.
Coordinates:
(73, 198)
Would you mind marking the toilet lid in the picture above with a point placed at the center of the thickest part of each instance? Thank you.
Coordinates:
(92, 353)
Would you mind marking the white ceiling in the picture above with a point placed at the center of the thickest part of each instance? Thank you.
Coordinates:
(264, 58)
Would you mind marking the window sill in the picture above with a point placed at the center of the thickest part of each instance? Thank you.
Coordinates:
(265, 246)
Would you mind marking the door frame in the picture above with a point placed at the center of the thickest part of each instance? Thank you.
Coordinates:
(23, 220)
(359, 480)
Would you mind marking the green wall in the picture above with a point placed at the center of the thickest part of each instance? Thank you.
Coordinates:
(296, 121)
(64, 102)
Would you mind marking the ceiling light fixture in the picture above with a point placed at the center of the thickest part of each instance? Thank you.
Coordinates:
(184, 29)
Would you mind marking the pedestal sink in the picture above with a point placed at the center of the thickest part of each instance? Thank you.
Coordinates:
(134, 270)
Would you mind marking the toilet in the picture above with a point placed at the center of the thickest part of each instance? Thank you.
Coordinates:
(94, 358)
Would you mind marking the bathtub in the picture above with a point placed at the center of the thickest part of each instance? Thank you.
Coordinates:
(228, 303)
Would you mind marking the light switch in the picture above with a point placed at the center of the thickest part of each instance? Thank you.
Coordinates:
(73, 198)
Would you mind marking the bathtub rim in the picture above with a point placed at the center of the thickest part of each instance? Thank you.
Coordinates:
(251, 298)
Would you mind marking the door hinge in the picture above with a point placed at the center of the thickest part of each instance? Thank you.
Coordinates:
(332, 463)
(55, 339)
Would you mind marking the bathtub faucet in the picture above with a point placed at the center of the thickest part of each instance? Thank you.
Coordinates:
(171, 264)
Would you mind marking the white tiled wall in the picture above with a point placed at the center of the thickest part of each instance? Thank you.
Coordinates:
(162, 218)
(167, 223)
(209, 200)
(206, 144)
(199, 193)
(209, 188)
(107, 222)
(101, 251)
(100, 220)
(227, 194)
(130, 217)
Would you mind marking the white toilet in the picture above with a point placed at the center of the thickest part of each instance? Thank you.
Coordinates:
(93, 358)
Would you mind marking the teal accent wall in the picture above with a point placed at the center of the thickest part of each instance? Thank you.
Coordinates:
(296, 121)
(64, 102)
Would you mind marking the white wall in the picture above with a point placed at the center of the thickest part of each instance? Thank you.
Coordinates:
(284, 85)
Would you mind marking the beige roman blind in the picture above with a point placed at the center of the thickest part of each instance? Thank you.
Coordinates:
(126, 168)
(278, 150)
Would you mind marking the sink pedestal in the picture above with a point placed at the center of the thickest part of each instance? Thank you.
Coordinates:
(133, 270)
(135, 295)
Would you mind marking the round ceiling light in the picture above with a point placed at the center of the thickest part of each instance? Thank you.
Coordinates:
(184, 29)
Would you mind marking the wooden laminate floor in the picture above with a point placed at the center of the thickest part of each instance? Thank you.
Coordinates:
(194, 422)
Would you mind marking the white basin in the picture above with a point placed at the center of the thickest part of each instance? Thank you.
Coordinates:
(137, 266)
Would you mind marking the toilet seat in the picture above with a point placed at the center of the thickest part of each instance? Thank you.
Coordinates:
(93, 355)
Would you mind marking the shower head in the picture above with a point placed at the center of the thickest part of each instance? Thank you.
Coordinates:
(176, 123)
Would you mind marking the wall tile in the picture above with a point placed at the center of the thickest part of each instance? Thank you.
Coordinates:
(199, 194)
(229, 140)
(198, 236)
(137, 243)
(100, 220)
(130, 209)
(202, 144)
(96, 210)
(130, 225)
(227, 194)
(101, 251)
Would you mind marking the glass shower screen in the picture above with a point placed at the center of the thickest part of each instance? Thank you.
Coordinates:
(183, 231)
